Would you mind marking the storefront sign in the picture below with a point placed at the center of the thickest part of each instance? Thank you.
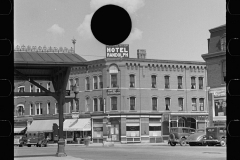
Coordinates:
(75, 115)
(117, 51)
(97, 129)
(221, 93)
(113, 92)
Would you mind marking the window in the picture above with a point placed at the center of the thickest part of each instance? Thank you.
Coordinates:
(180, 82)
(132, 103)
(194, 104)
(173, 124)
(200, 79)
(154, 81)
(56, 108)
(193, 83)
(95, 82)
(38, 90)
(223, 43)
(48, 108)
(113, 80)
(132, 81)
(39, 108)
(114, 103)
(77, 82)
(154, 103)
(21, 88)
(95, 104)
(31, 88)
(100, 82)
(87, 83)
(77, 106)
(224, 71)
(201, 104)
(167, 103)
(181, 122)
(31, 109)
(71, 84)
(180, 104)
(101, 104)
(87, 104)
(48, 86)
(167, 84)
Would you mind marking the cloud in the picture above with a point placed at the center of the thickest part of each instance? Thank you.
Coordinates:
(16, 43)
(136, 34)
(56, 30)
(130, 5)
(84, 29)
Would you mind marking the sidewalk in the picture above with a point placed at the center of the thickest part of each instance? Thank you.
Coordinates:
(48, 158)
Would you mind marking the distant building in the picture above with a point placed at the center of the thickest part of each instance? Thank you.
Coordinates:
(216, 73)
(129, 99)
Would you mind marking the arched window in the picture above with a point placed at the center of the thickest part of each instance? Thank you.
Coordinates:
(87, 104)
(167, 103)
(20, 110)
(181, 122)
(154, 103)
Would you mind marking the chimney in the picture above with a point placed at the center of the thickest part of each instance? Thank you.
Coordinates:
(141, 53)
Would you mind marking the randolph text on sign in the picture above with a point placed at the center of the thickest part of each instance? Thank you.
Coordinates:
(117, 51)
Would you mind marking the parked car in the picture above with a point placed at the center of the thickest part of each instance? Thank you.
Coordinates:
(36, 138)
(20, 140)
(179, 135)
(216, 136)
(197, 138)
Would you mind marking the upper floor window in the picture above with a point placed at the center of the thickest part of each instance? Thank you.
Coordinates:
(201, 104)
(167, 103)
(77, 82)
(48, 108)
(194, 104)
(101, 104)
(154, 103)
(114, 103)
(71, 84)
(132, 103)
(48, 86)
(167, 84)
(179, 82)
(31, 109)
(87, 82)
(31, 88)
(113, 80)
(223, 43)
(77, 105)
(21, 89)
(132, 81)
(20, 110)
(87, 104)
(39, 108)
(200, 79)
(56, 108)
(154, 81)
(95, 82)
(100, 81)
(193, 83)
(180, 104)
(224, 70)
(95, 104)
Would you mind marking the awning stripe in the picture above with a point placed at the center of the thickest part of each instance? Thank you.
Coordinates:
(18, 130)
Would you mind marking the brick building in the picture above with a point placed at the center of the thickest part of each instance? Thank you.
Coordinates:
(216, 73)
(128, 99)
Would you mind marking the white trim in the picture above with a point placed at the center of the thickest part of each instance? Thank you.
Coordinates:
(133, 124)
(145, 136)
(189, 114)
(124, 136)
(132, 116)
(21, 87)
(155, 124)
(151, 116)
(144, 116)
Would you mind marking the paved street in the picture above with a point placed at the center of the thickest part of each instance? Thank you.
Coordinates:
(126, 152)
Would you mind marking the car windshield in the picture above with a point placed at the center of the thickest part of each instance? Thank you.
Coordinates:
(174, 130)
(184, 130)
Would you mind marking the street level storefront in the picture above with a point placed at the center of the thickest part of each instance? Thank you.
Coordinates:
(192, 120)
(46, 126)
(127, 128)
(218, 106)
(75, 130)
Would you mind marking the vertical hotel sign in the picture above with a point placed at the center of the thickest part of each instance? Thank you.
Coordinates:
(117, 51)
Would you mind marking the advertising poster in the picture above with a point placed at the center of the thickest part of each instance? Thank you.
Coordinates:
(220, 107)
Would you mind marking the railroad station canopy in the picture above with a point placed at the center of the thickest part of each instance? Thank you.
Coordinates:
(19, 130)
(83, 124)
(42, 125)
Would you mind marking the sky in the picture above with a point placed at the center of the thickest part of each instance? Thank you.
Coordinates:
(167, 29)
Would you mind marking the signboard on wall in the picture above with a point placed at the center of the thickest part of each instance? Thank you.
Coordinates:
(220, 107)
(113, 92)
(117, 51)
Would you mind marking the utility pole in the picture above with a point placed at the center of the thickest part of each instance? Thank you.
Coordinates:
(74, 41)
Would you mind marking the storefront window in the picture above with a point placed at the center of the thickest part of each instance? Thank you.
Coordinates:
(97, 128)
(154, 130)
(132, 131)
(173, 124)
(220, 107)
(181, 123)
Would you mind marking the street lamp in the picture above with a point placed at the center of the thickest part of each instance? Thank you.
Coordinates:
(108, 125)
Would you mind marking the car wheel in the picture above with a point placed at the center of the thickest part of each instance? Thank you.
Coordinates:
(172, 143)
(223, 142)
(183, 142)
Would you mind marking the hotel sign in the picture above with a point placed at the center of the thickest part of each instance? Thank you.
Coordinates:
(117, 51)
(220, 93)
(113, 91)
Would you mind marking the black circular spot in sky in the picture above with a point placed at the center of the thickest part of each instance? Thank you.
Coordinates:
(111, 24)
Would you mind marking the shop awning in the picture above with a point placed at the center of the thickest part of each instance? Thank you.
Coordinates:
(83, 124)
(42, 125)
(18, 130)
